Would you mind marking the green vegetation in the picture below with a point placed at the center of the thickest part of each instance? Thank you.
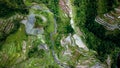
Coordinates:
(4, 35)
(12, 48)
(95, 34)
(12, 6)
(106, 5)
(97, 38)
(17, 36)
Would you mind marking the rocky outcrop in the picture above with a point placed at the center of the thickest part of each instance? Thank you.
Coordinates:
(29, 24)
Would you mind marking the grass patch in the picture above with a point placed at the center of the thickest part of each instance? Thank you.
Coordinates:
(18, 36)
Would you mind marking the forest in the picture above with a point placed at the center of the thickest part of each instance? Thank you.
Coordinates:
(95, 33)
(10, 7)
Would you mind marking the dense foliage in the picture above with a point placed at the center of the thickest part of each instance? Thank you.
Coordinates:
(12, 6)
(95, 34)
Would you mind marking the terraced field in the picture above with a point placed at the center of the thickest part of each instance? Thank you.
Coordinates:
(110, 20)
(59, 34)
(7, 25)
